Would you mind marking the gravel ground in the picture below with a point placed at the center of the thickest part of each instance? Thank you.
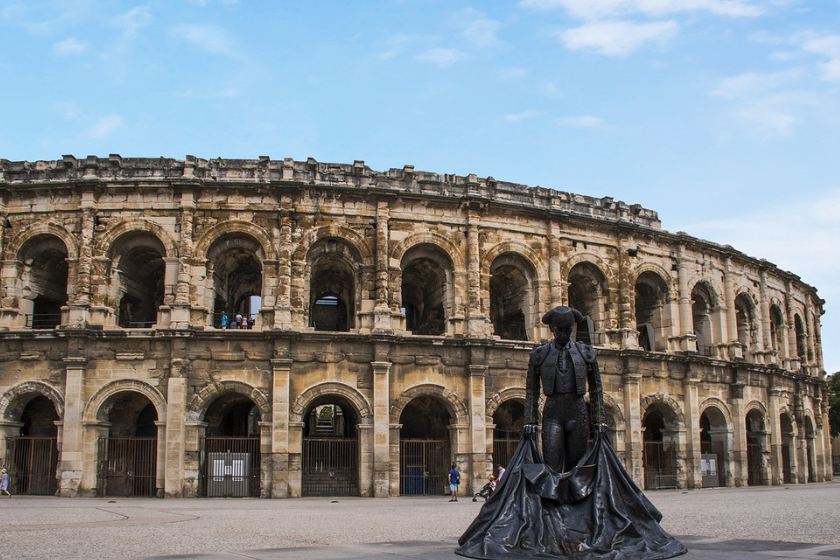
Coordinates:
(99, 528)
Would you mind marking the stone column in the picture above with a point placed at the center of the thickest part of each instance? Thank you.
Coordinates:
(764, 307)
(382, 455)
(626, 296)
(477, 324)
(72, 465)
(792, 361)
(294, 448)
(78, 310)
(555, 250)
(479, 464)
(282, 304)
(688, 340)
(776, 468)
(729, 332)
(739, 435)
(692, 424)
(280, 483)
(160, 460)
(634, 443)
(180, 314)
(382, 308)
(175, 431)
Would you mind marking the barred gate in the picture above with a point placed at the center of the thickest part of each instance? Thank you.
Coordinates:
(503, 449)
(660, 466)
(127, 466)
(787, 473)
(754, 474)
(424, 466)
(32, 463)
(330, 467)
(230, 466)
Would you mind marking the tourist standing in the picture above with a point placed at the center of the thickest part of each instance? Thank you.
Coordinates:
(4, 483)
(454, 481)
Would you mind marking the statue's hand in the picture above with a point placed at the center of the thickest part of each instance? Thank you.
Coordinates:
(601, 428)
(531, 429)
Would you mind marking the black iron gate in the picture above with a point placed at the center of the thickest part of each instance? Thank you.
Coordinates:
(32, 463)
(230, 467)
(424, 466)
(787, 473)
(660, 465)
(754, 474)
(503, 447)
(330, 467)
(127, 466)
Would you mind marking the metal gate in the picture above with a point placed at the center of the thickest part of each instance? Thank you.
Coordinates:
(754, 477)
(660, 465)
(424, 466)
(330, 467)
(127, 467)
(235, 478)
(787, 473)
(503, 448)
(32, 463)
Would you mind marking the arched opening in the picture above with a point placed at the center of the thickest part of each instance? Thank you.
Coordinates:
(235, 265)
(651, 297)
(33, 455)
(509, 420)
(746, 322)
(756, 436)
(809, 450)
(788, 433)
(425, 281)
(512, 297)
(777, 332)
(230, 450)
(660, 448)
(801, 338)
(332, 286)
(702, 306)
(714, 437)
(330, 455)
(587, 294)
(140, 271)
(425, 456)
(44, 281)
(128, 454)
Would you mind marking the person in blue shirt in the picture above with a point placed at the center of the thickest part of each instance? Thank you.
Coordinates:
(454, 481)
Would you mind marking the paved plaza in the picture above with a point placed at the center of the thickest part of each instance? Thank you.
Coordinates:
(798, 521)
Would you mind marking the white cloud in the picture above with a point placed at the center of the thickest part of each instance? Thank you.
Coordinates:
(105, 126)
(441, 57)
(598, 9)
(69, 46)
(828, 46)
(750, 84)
(616, 38)
(482, 32)
(519, 117)
(209, 37)
(131, 21)
(583, 121)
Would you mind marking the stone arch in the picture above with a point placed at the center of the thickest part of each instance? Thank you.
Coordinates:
(441, 242)
(653, 268)
(508, 394)
(510, 290)
(234, 227)
(454, 405)
(713, 287)
(356, 241)
(720, 405)
(333, 274)
(94, 405)
(520, 249)
(593, 259)
(136, 225)
(197, 406)
(11, 408)
(17, 242)
(668, 403)
(330, 388)
(760, 407)
(617, 414)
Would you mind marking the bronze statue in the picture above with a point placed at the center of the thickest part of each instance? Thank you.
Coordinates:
(571, 503)
(563, 368)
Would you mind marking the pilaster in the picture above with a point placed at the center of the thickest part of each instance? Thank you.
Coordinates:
(72, 464)
(381, 430)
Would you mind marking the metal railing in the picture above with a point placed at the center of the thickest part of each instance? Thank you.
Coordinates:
(127, 466)
(32, 465)
(42, 320)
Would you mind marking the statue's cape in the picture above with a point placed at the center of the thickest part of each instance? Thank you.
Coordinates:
(594, 511)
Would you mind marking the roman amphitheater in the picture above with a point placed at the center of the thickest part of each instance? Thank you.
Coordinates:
(393, 313)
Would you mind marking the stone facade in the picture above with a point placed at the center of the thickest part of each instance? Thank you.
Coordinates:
(389, 308)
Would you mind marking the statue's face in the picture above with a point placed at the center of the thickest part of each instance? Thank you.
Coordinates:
(562, 334)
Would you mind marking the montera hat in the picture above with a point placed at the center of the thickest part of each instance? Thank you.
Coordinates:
(562, 317)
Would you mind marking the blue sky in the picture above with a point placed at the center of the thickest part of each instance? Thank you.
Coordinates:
(721, 115)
